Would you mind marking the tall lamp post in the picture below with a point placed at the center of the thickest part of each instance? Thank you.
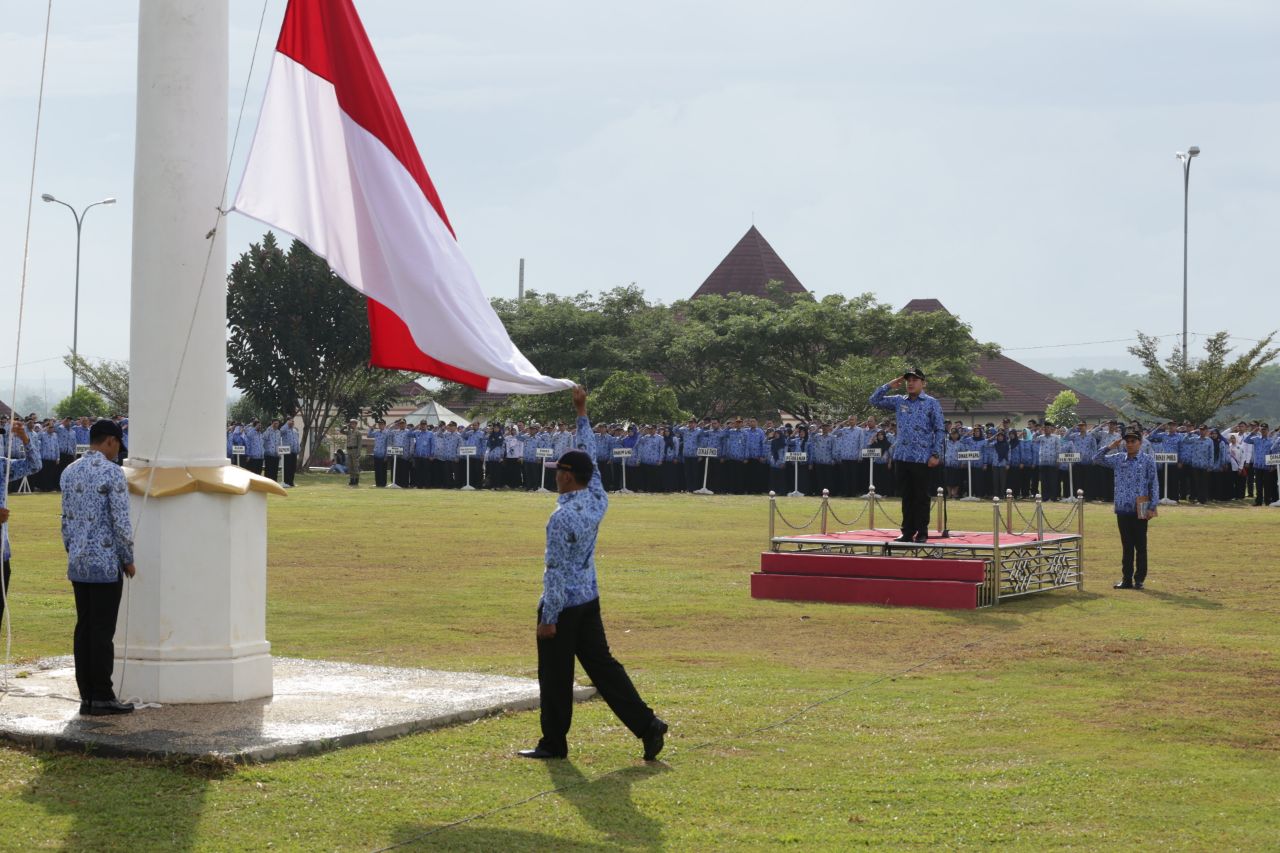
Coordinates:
(75, 322)
(1184, 157)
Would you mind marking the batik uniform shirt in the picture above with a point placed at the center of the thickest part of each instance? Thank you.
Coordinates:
(689, 442)
(1260, 445)
(236, 439)
(24, 461)
(49, 445)
(424, 444)
(561, 443)
(379, 437)
(710, 438)
(734, 445)
(1047, 449)
(1187, 447)
(494, 452)
(757, 447)
(919, 424)
(271, 442)
(66, 440)
(1162, 441)
(604, 448)
(81, 435)
(513, 446)
(530, 451)
(1134, 477)
(289, 436)
(1201, 453)
(447, 444)
(649, 449)
(822, 449)
(848, 443)
(569, 578)
(95, 519)
(671, 452)
(402, 439)
(253, 443)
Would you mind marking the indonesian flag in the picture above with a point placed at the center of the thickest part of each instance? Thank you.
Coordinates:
(334, 165)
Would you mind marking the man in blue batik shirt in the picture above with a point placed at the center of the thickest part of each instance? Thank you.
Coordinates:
(289, 438)
(917, 450)
(569, 623)
(24, 460)
(99, 540)
(1136, 483)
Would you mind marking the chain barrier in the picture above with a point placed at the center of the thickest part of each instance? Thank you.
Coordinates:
(1066, 521)
(804, 526)
(849, 525)
(897, 522)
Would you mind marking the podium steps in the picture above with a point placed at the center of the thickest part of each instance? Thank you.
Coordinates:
(950, 584)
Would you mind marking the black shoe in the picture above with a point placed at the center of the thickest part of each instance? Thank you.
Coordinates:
(922, 538)
(84, 709)
(1138, 585)
(102, 708)
(653, 739)
(904, 538)
(540, 753)
(1123, 585)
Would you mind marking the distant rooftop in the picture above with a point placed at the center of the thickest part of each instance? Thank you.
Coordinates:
(748, 268)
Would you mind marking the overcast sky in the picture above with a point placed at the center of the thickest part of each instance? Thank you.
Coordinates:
(1014, 160)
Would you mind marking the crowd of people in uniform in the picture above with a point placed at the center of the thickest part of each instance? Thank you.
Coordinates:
(266, 449)
(753, 458)
(56, 443)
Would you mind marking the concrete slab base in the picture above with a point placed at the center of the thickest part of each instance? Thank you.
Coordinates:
(318, 705)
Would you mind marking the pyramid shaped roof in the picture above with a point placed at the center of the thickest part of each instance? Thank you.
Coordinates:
(749, 266)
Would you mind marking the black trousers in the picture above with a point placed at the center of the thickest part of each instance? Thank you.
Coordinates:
(915, 480)
(290, 468)
(380, 471)
(271, 467)
(254, 464)
(6, 589)
(97, 605)
(1133, 547)
(580, 634)
(532, 473)
(1049, 489)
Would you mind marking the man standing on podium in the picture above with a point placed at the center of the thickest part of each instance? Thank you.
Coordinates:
(917, 451)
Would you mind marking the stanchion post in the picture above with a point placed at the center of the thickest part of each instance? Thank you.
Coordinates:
(796, 457)
(969, 457)
(1008, 511)
(997, 567)
(937, 509)
(282, 451)
(871, 454)
(543, 454)
(826, 496)
(1039, 518)
(467, 453)
(707, 454)
(773, 508)
(871, 507)
(394, 453)
(623, 454)
(1080, 531)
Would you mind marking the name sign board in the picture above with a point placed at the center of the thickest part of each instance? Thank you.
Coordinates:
(82, 449)
(622, 452)
(395, 450)
(968, 455)
(236, 449)
(1273, 458)
(1166, 458)
(872, 453)
(1068, 457)
(466, 450)
(797, 457)
(284, 450)
(544, 452)
(708, 451)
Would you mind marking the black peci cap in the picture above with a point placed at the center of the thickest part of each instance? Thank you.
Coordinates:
(577, 462)
(913, 371)
(105, 429)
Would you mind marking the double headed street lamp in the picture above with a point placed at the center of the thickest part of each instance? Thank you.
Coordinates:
(75, 322)
(1184, 157)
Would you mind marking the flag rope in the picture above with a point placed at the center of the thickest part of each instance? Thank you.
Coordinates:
(17, 347)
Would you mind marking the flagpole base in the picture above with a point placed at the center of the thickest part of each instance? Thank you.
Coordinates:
(703, 492)
(624, 492)
(1168, 502)
(970, 499)
(795, 494)
(467, 489)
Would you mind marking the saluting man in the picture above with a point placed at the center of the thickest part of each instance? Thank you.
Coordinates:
(917, 450)
(289, 437)
(1137, 494)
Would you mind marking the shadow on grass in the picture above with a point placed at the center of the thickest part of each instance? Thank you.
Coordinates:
(604, 804)
(118, 804)
(1183, 600)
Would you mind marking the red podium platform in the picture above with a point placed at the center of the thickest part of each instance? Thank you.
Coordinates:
(859, 579)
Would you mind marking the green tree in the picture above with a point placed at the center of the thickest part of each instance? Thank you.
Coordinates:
(1106, 386)
(1062, 411)
(84, 403)
(635, 397)
(299, 339)
(1264, 396)
(107, 378)
(1197, 390)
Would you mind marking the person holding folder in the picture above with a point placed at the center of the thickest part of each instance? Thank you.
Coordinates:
(1137, 494)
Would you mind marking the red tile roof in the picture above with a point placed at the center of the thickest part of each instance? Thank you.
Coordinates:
(747, 268)
(1023, 390)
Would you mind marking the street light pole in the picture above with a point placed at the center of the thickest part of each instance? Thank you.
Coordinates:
(1184, 157)
(75, 321)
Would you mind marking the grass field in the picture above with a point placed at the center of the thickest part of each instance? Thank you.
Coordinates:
(1094, 719)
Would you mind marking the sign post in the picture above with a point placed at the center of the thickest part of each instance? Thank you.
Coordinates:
(282, 450)
(707, 454)
(968, 457)
(1166, 459)
(797, 458)
(871, 454)
(395, 452)
(623, 453)
(1070, 459)
(237, 450)
(1274, 459)
(81, 450)
(465, 451)
(543, 454)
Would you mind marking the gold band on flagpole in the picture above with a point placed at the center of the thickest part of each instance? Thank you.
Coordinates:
(222, 479)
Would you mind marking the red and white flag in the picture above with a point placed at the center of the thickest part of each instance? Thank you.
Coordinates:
(334, 165)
